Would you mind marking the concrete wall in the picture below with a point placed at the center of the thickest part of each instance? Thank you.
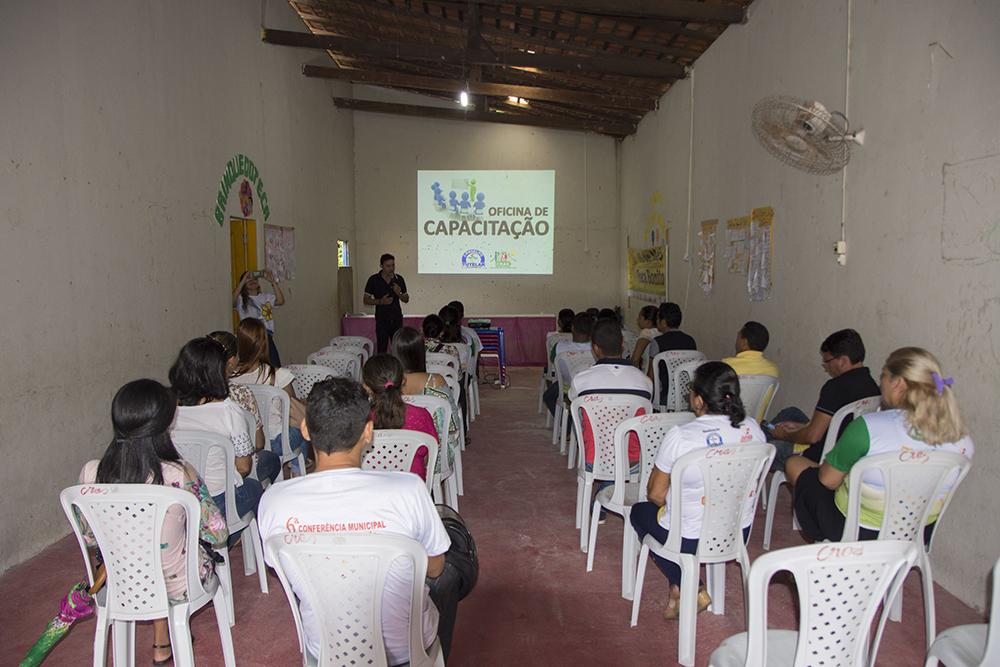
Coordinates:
(390, 149)
(118, 121)
(922, 266)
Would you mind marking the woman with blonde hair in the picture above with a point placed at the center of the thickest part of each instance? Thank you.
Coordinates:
(920, 414)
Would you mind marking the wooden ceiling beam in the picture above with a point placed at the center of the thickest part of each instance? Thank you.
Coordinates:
(455, 86)
(637, 67)
(673, 10)
(613, 129)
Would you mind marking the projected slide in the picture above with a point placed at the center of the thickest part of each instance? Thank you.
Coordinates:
(485, 222)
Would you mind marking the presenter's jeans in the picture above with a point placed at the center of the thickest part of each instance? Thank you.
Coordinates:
(384, 330)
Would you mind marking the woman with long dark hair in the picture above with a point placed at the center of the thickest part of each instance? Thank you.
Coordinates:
(142, 453)
(720, 420)
(383, 379)
(198, 379)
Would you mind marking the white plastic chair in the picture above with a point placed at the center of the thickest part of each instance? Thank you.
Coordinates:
(757, 392)
(629, 489)
(855, 410)
(195, 448)
(732, 477)
(264, 394)
(343, 577)
(916, 485)
(671, 359)
(574, 362)
(363, 342)
(840, 587)
(976, 645)
(604, 412)
(445, 474)
(344, 362)
(450, 375)
(681, 380)
(127, 523)
(307, 375)
(395, 449)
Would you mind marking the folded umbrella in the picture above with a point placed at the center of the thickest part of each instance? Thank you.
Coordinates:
(78, 603)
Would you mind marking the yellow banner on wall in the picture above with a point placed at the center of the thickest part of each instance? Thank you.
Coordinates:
(647, 273)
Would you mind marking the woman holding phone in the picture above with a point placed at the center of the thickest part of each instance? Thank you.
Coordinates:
(250, 302)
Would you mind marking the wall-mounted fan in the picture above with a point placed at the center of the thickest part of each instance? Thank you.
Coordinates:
(804, 133)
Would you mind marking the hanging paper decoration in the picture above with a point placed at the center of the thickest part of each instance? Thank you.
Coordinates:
(279, 251)
(706, 254)
(737, 240)
(761, 253)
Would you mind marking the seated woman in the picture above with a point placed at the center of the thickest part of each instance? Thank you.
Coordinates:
(720, 421)
(433, 328)
(647, 332)
(408, 347)
(922, 415)
(252, 367)
(141, 453)
(198, 380)
(383, 379)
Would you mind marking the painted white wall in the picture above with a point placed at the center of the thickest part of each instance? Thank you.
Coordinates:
(118, 121)
(923, 109)
(388, 151)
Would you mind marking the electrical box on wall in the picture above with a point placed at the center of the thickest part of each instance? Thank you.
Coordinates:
(840, 247)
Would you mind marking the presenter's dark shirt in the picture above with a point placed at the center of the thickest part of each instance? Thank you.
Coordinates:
(379, 288)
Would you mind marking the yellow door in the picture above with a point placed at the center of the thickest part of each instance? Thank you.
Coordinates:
(242, 252)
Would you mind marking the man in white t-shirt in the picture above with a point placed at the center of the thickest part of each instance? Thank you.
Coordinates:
(339, 496)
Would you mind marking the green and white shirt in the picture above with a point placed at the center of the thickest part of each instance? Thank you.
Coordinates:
(882, 433)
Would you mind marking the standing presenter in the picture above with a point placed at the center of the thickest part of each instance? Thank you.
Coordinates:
(385, 290)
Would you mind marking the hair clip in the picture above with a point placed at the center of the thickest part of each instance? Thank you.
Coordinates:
(940, 383)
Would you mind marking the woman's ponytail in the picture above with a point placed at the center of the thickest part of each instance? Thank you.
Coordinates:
(383, 375)
(719, 387)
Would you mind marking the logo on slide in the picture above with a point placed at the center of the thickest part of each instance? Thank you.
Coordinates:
(503, 259)
(473, 259)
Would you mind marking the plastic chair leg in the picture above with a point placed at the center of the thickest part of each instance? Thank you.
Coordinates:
(438, 492)
(180, 635)
(541, 392)
(101, 637)
(777, 479)
(630, 544)
(928, 583)
(595, 516)
(579, 503)
(224, 622)
(257, 550)
(451, 491)
(640, 576)
(224, 572)
(123, 643)
(715, 581)
(557, 419)
(249, 554)
(572, 454)
(688, 620)
(458, 472)
(563, 437)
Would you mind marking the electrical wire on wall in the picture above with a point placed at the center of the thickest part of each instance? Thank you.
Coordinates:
(847, 112)
(687, 241)
(586, 198)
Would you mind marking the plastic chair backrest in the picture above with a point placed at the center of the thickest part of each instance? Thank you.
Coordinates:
(265, 394)
(629, 339)
(651, 430)
(464, 353)
(343, 363)
(575, 362)
(440, 410)
(681, 378)
(306, 375)
(449, 373)
(442, 359)
(840, 587)
(757, 392)
(127, 523)
(604, 413)
(853, 410)
(472, 338)
(914, 482)
(343, 577)
(195, 447)
(671, 359)
(395, 449)
(732, 475)
(351, 342)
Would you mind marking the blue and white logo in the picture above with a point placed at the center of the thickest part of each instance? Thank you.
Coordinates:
(473, 259)
(713, 440)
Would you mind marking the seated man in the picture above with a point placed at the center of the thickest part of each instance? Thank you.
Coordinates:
(610, 375)
(583, 324)
(751, 341)
(668, 320)
(338, 494)
(842, 356)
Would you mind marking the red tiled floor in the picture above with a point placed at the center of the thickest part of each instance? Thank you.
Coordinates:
(535, 604)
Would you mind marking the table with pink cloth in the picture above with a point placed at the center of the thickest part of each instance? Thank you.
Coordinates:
(524, 335)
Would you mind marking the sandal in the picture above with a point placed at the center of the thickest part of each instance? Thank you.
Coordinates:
(166, 660)
(673, 610)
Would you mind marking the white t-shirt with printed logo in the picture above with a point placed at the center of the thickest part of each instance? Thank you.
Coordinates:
(353, 500)
(259, 307)
(705, 431)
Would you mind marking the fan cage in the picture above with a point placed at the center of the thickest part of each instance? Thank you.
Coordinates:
(803, 136)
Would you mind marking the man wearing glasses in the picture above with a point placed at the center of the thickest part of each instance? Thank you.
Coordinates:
(842, 356)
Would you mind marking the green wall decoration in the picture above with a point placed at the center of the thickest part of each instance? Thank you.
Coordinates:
(240, 165)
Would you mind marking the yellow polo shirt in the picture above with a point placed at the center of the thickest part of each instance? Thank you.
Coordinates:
(752, 362)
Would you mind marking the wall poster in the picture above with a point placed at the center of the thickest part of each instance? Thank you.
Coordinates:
(761, 253)
(279, 251)
(647, 273)
(706, 254)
